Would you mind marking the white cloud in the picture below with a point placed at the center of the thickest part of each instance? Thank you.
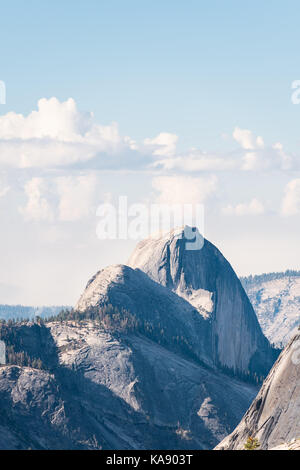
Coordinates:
(76, 196)
(162, 145)
(257, 157)
(61, 122)
(247, 140)
(196, 161)
(64, 198)
(183, 189)
(37, 207)
(254, 207)
(252, 161)
(43, 153)
(131, 143)
(57, 134)
(267, 159)
(53, 119)
(291, 201)
(286, 161)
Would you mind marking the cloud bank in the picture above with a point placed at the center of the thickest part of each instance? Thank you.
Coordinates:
(254, 207)
(57, 134)
(58, 137)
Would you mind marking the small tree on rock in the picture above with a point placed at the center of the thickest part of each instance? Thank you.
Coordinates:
(252, 443)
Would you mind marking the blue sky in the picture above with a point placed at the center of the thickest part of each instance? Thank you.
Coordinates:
(195, 68)
(137, 98)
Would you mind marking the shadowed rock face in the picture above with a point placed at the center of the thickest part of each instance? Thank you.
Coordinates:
(173, 321)
(273, 417)
(114, 391)
(205, 279)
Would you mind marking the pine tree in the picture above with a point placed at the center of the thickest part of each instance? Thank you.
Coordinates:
(252, 443)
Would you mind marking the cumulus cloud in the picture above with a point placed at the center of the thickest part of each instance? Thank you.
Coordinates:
(53, 119)
(131, 143)
(291, 201)
(257, 156)
(183, 189)
(76, 196)
(268, 159)
(162, 145)
(247, 140)
(253, 156)
(254, 207)
(37, 207)
(57, 134)
(64, 198)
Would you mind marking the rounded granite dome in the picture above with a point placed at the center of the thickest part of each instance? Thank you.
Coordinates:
(206, 279)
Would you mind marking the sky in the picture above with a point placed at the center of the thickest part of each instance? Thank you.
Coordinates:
(168, 102)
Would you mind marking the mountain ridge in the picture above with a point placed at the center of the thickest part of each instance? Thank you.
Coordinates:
(273, 417)
(135, 365)
(93, 393)
(276, 301)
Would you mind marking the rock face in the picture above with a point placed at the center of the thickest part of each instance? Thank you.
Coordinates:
(32, 410)
(276, 301)
(110, 390)
(145, 364)
(273, 417)
(206, 280)
(293, 445)
(169, 319)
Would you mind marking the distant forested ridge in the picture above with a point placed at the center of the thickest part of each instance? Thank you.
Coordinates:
(251, 281)
(13, 312)
(276, 300)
